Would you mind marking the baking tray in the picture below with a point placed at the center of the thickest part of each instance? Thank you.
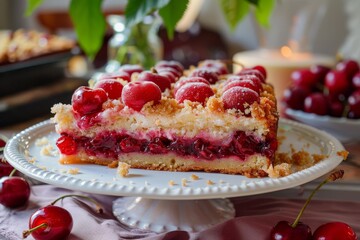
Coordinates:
(30, 73)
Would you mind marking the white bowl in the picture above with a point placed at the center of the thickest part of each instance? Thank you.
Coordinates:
(346, 130)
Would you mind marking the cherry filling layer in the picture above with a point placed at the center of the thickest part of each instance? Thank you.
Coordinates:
(111, 144)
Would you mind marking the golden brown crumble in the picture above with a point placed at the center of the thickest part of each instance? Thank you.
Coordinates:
(194, 177)
(123, 169)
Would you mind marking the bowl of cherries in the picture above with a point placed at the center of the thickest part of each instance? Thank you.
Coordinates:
(326, 98)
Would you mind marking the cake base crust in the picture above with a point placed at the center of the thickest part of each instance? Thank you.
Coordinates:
(254, 166)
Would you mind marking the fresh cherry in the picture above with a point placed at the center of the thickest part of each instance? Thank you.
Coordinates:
(336, 108)
(217, 65)
(349, 67)
(14, 191)
(162, 81)
(294, 97)
(168, 73)
(316, 103)
(67, 145)
(250, 71)
(170, 64)
(354, 104)
(3, 141)
(173, 71)
(112, 87)
(261, 69)
(116, 75)
(239, 98)
(356, 81)
(336, 82)
(185, 80)
(136, 94)
(320, 71)
(52, 222)
(195, 92)
(334, 231)
(130, 69)
(207, 73)
(5, 167)
(87, 101)
(284, 230)
(304, 78)
(253, 85)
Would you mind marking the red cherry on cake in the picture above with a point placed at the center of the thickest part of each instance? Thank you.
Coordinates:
(316, 103)
(334, 231)
(206, 73)
(218, 65)
(249, 72)
(170, 64)
(173, 71)
(239, 98)
(67, 145)
(136, 94)
(304, 78)
(162, 81)
(130, 69)
(87, 101)
(14, 191)
(349, 67)
(185, 80)
(261, 69)
(168, 73)
(112, 87)
(116, 75)
(254, 85)
(284, 231)
(294, 97)
(336, 108)
(194, 92)
(337, 82)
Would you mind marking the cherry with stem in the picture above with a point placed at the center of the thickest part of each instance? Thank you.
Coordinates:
(53, 222)
(284, 230)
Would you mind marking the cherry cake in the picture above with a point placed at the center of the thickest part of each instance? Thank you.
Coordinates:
(167, 118)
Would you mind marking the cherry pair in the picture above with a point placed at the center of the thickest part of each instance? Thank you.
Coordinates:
(284, 230)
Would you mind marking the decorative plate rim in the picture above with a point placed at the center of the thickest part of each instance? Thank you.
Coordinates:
(246, 186)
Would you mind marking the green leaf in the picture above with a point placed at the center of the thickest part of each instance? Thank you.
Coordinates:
(234, 11)
(172, 13)
(255, 2)
(136, 10)
(263, 12)
(32, 5)
(89, 23)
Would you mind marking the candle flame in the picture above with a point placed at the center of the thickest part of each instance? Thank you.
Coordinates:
(286, 51)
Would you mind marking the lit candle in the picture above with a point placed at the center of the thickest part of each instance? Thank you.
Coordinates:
(279, 64)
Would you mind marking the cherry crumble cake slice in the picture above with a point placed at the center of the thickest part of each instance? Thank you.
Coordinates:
(200, 119)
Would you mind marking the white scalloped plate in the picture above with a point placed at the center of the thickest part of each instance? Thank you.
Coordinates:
(155, 184)
(343, 129)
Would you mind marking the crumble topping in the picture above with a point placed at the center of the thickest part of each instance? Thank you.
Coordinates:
(194, 177)
(343, 154)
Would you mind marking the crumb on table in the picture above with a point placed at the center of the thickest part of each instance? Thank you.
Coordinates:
(123, 169)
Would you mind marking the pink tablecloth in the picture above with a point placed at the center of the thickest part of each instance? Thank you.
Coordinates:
(255, 216)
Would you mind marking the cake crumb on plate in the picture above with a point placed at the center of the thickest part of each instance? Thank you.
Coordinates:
(123, 169)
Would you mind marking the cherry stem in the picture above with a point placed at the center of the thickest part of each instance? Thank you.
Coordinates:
(99, 208)
(12, 172)
(153, 70)
(332, 177)
(26, 233)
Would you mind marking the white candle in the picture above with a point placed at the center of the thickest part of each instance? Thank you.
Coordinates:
(279, 64)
